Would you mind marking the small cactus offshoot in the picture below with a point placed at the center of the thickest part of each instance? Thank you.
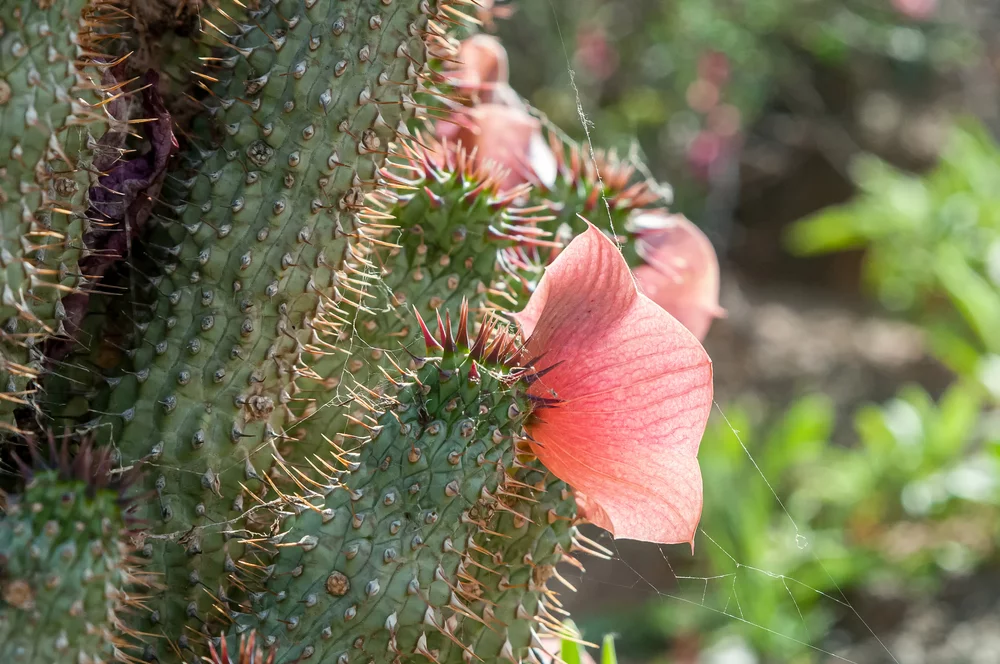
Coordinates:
(66, 566)
(234, 308)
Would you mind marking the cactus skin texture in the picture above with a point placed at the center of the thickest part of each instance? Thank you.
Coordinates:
(305, 97)
(304, 496)
(429, 537)
(46, 82)
(64, 566)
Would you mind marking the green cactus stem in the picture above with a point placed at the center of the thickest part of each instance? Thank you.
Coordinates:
(48, 82)
(302, 102)
(432, 536)
(65, 568)
(445, 250)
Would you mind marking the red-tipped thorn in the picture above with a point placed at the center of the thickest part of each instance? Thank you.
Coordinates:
(444, 333)
(436, 201)
(429, 340)
(470, 196)
(463, 324)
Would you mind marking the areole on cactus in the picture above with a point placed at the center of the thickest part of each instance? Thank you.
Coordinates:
(316, 474)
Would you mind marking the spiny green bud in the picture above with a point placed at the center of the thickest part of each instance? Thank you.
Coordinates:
(64, 564)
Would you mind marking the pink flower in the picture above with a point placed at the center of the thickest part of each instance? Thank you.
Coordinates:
(509, 137)
(681, 273)
(624, 392)
(480, 69)
(595, 53)
(703, 152)
(714, 66)
(496, 126)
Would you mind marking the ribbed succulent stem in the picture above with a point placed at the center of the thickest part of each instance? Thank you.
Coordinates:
(430, 537)
(50, 82)
(266, 232)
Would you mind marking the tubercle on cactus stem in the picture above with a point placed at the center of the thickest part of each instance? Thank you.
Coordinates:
(432, 535)
(439, 248)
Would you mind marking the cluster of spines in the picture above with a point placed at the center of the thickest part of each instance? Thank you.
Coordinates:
(594, 184)
(248, 652)
(519, 229)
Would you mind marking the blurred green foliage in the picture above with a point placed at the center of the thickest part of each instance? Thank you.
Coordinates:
(794, 526)
(572, 652)
(932, 246)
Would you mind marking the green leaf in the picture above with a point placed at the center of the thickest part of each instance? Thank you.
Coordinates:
(977, 301)
(569, 651)
(802, 433)
(952, 348)
(958, 413)
(833, 229)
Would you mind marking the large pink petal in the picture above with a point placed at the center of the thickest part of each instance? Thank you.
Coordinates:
(634, 390)
(682, 270)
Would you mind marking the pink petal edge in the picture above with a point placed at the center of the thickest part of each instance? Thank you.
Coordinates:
(681, 273)
(635, 389)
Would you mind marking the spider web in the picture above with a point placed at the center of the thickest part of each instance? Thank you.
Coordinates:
(633, 569)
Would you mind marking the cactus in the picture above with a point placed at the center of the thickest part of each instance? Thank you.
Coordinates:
(430, 536)
(316, 483)
(65, 568)
(74, 188)
(48, 78)
(269, 243)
